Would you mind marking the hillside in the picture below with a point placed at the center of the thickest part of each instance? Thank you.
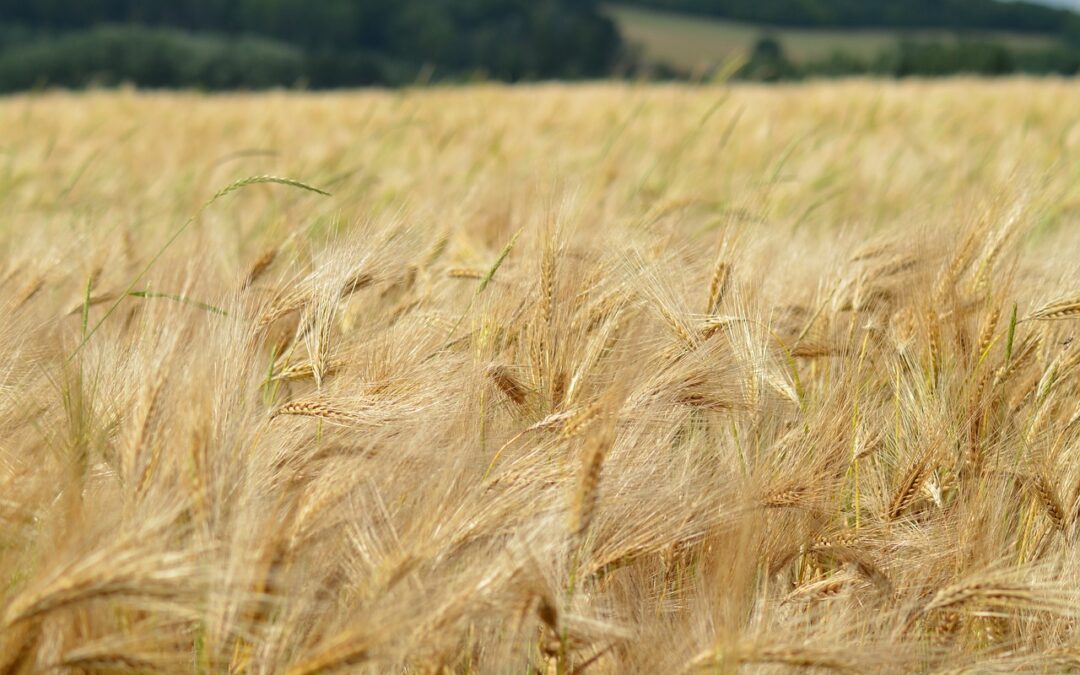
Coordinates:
(691, 43)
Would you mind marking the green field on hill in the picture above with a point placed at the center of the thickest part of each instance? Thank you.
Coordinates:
(691, 42)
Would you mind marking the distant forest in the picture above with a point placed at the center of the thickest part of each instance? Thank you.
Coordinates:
(225, 44)
(962, 15)
(321, 43)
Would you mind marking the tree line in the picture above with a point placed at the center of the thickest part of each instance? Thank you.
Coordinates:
(962, 15)
(320, 43)
(227, 44)
(768, 61)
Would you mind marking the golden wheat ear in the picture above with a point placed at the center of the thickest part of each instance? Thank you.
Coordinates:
(1063, 308)
(587, 494)
(259, 267)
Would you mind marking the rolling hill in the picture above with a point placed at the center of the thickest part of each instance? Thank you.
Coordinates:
(689, 42)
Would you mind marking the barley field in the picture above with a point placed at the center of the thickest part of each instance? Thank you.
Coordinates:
(603, 378)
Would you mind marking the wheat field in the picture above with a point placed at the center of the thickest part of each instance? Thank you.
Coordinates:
(604, 378)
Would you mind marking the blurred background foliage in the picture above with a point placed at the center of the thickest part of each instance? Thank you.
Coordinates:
(321, 43)
(228, 44)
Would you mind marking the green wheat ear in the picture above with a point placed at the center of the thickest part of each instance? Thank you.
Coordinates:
(257, 180)
(228, 189)
(86, 306)
(484, 283)
(179, 298)
(498, 263)
(1012, 334)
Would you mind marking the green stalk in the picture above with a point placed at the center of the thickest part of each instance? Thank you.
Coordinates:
(228, 189)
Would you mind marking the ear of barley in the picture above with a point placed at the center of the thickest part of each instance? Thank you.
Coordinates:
(305, 370)
(961, 260)
(718, 285)
(259, 267)
(677, 328)
(28, 291)
(800, 656)
(986, 333)
(1064, 308)
(588, 485)
(465, 273)
(348, 649)
(1024, 355)
(107, 661)
(580, 421)
(356, 281)
(318, 408)
(486, 279)
(438, 248)
(908, 489)
(818, 590)
(547, 283)
(508, 384)
(872, 250)
(934, 343)
(795, 656)
(88, 302)
(608, 305)
(140, 648)
(785, 498)
(1048, 500)
(997, 594)
(262, 180)
(283, 305)
(714, 324)
(893, 266)
(120, 570)
(1074, 420)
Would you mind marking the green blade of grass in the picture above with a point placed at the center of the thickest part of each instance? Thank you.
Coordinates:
(228, 189)
(1012, 335)
(86, 306)
(483, 285)
(258, 180)
(498, 263)
(179, 298)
